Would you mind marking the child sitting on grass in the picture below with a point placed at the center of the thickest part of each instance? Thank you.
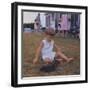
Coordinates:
(45, 49)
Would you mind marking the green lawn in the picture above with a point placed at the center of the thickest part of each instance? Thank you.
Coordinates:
(69, 46)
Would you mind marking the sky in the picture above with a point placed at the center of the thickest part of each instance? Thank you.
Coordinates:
(29, 17)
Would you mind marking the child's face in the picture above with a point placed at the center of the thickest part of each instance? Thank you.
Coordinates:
(49, 37)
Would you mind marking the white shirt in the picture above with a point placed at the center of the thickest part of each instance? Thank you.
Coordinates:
(47, 49)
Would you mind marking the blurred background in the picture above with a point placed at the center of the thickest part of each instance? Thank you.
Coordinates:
(64, 23)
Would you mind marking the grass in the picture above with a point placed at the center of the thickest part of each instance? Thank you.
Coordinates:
(69, 46)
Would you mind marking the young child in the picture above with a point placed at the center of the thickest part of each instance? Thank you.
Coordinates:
(45, 49)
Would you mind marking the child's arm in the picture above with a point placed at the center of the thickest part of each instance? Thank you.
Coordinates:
(38, 51)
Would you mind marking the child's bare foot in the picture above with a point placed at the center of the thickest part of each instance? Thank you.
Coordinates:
(69, 59)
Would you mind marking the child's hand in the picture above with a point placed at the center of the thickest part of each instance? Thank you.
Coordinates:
(35, 61)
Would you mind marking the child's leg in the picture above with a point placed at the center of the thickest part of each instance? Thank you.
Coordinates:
(60, 54)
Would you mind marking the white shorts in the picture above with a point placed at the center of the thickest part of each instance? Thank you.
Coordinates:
(51, 56)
